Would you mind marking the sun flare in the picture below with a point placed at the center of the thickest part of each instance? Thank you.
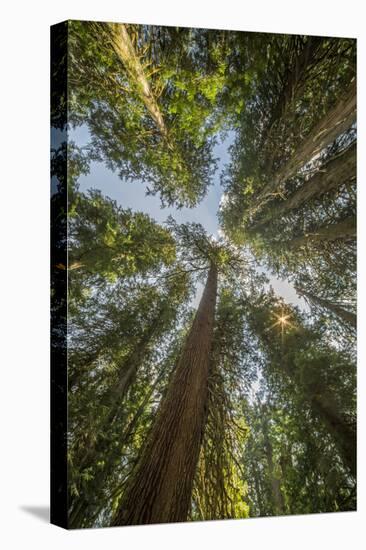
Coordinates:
(282, 321)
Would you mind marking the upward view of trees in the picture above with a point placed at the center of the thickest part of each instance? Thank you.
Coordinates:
(290, 190)
(232, 403)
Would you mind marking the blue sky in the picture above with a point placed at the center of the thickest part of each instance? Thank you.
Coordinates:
(133, 195)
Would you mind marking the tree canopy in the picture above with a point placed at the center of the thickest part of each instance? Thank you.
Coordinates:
(195, 391)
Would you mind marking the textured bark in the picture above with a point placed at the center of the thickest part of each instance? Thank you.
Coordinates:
(343, 231)
(330, 177)
(127, 54)
(343, 433)
(347, 316)
(160, 488)
(335, 122)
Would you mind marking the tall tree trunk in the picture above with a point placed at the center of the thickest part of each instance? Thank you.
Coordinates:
(127, 54)
(86, 509)
(335, 308)
(335, 122)
(330, 177)
(344, 230)
(160, 489)
(325, 407)
(277, 497)
(294, 78)
(257, 488)
(113, 398)
(344, 434)
(115, 395)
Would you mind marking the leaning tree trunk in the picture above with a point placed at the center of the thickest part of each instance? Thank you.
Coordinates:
(344, 434)
(329, 177)
(294, 80)
(344, 230)
(324, 406)
(126, 52)
(334, 123)
(335, 308)
(113, 398)
(160, 488)
(99, 444)
(87, 508)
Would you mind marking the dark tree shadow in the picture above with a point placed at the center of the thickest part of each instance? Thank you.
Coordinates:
(40, 512)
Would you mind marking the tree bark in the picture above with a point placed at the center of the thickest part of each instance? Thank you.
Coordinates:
(160, 489)
(344, 230)
(338, 310)
(127, 54)
(335, 122)
(330, 177)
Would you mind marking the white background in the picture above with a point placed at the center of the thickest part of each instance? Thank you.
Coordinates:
(24, 288)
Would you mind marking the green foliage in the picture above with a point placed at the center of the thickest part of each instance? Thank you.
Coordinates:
(123, 341)
(178, 165)
(279, 436)
(110, 242)
(220, 487)
(307, 383)
(299, 81)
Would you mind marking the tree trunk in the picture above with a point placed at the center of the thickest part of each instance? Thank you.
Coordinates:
(277, 497)
(344, 435)
(295, 78)
(258, 489)
(342, 313)
(324, 406)
(87, 509)
(330, 177)
(344, 230)
(114, 397)
(335, 122)
(160, 489)
(99, 444)
(127, 54)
